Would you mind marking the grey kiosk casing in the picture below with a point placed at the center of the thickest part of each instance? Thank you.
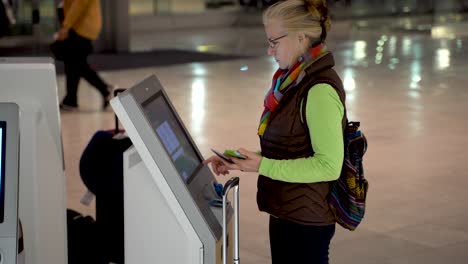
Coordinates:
(9, 174)
(31, 83)
(167, 189)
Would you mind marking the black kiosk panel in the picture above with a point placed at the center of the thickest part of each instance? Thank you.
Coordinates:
(2, 169)
(9, 174)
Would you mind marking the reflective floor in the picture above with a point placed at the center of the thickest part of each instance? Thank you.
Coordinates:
(409, 91)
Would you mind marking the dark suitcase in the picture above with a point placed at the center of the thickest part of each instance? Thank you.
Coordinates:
(101, 169)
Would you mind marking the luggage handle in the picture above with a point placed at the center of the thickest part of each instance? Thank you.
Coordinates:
(231, 183)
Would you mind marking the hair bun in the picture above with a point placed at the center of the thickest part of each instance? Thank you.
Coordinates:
(309, 4)
(317, 6)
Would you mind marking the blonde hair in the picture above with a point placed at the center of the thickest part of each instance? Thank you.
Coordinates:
(301, 16)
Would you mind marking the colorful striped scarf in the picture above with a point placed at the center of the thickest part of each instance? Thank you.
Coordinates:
(285, 80)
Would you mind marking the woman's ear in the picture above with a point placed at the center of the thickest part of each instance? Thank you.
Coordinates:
(303, 40)
(301, 37)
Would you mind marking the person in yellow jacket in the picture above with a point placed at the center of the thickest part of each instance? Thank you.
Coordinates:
(82, 25)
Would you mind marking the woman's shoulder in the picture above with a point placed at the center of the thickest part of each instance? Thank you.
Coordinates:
(322, 89)
(322, 92)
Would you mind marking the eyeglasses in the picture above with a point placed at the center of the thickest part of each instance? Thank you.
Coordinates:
(272, 43)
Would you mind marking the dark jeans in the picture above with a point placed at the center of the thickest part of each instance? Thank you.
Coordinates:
(76, 66)
(292, 243)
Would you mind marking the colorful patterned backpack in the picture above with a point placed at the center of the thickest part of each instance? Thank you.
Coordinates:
(348, 194)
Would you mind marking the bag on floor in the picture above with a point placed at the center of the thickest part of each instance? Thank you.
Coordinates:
(82, 246)
(348, 194)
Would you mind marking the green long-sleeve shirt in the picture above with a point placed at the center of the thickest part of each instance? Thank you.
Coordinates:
(324, 113)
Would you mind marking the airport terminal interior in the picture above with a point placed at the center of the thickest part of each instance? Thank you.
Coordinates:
(404, 68)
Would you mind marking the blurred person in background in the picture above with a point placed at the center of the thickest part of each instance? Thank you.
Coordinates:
(81, 25)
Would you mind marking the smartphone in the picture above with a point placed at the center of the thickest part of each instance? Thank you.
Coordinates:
(222, 156)
(234, 153)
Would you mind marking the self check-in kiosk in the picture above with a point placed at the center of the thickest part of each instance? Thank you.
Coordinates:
(31, 84)
(170, 203)
(9, 171)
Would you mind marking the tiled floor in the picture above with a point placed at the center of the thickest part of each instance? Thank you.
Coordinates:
(407, 89)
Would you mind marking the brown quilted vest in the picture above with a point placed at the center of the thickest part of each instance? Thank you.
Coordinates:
(287, 137)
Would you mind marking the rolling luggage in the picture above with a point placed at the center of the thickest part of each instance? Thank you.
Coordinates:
(101, 169)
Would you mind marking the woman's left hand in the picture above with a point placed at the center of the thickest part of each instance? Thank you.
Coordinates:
(251, 163)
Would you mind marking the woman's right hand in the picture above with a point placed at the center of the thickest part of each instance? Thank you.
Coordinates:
(62, 34)
(220, 166)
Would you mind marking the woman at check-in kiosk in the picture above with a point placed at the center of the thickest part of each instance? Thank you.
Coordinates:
(301, 134)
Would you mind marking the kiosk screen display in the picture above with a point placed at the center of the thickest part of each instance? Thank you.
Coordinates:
(172, 135)
(2, 169)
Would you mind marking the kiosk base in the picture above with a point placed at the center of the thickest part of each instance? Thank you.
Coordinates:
(153, 233)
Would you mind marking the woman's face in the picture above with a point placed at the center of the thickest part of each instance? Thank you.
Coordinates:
(283, 46)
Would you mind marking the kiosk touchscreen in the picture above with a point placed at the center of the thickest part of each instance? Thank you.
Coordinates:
(9, 171)
(172, 136)
(169, 193)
